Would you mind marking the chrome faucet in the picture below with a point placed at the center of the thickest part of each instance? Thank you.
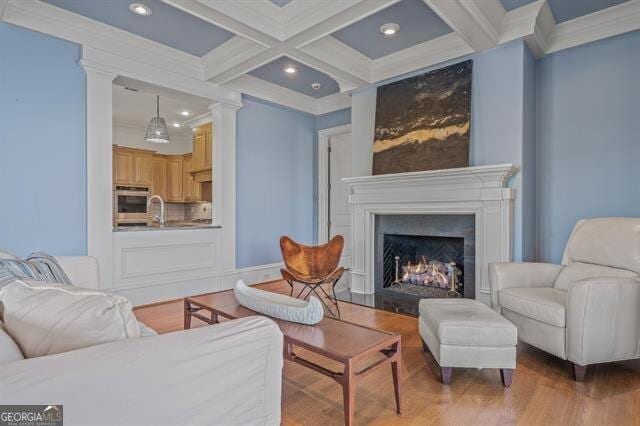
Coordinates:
(160, 218)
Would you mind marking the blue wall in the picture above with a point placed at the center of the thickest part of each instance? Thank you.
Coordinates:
(275, 187)
(588, 148)
(42, 144)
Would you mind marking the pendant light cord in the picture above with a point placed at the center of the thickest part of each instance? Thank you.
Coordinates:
(158, 105)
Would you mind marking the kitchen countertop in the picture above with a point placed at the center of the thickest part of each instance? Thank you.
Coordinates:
(168, 226)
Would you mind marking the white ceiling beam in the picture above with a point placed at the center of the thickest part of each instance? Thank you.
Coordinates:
(361, 10)
(244, 67)
(230, 54)
(334, 52)
(273, 93)
(478, 22)
(333, 103)
(441, 49)
(214, 16)
(346, 80)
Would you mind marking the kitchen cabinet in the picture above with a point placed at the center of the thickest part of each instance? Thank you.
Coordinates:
(159, 186)
(132, 166)
(122, 166)
(190, 188)
(175, 177)
(202, 145)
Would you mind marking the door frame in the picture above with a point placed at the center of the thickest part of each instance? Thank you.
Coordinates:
(323, 178)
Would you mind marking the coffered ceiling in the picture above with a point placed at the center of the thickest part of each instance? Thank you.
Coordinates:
(244, 45)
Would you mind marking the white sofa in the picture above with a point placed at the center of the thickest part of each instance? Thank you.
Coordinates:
(227, 374)
(586, 310)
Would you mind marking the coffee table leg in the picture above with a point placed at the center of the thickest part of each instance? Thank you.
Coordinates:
(349, 392)
(395, 372)
(187, 315)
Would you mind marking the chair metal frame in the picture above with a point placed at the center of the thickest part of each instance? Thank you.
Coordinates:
(303, 273)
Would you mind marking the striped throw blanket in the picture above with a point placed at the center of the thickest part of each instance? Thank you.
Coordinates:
(38, 266)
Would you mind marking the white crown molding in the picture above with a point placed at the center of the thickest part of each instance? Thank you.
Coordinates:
(333, 103)
(609, 22)
(301, 30)
(60, 23)
(231, 53)
(273, 93)
(420, 56)
(198, 121)
(478, 22)
(123, 66)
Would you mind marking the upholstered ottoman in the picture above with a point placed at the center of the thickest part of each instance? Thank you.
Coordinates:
(467, 333)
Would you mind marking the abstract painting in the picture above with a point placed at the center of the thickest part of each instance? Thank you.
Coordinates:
(424, 122)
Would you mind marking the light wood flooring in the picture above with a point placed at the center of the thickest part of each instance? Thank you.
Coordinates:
(543, 392)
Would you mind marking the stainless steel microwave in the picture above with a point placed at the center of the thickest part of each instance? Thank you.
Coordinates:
(130, 203)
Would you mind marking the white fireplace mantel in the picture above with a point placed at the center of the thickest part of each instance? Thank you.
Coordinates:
(480, 191)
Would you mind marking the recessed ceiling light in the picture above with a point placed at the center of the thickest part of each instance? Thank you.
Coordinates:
(290, 69)
(140, 9)
(390, 29)
(316, 86)
(185, 113)
(176, 124)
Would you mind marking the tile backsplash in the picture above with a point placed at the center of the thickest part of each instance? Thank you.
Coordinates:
(183, 211)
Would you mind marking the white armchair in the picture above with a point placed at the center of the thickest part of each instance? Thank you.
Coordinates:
(586, 310)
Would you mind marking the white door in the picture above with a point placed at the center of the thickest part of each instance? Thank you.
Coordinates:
(339, 209)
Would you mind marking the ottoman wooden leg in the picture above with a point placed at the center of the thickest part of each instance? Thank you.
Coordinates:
(506, 374)
(579, 372)
(446, 375)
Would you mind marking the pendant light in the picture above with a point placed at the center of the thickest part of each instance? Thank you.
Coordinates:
(157, 131)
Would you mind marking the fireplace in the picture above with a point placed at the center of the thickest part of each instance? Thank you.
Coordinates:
(423, 266)
(472, 203)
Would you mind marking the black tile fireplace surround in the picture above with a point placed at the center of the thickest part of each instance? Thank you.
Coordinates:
(434, 240)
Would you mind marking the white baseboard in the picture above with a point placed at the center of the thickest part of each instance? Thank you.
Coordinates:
(189, 287)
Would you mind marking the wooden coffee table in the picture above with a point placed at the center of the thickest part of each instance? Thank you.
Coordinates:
(339, 340)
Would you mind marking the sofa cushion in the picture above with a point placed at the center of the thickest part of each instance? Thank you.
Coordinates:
(46, 319)
(38, 266)
(577, 271)
(9, 351)
(6, 255)
(466, 322)
(544, 304)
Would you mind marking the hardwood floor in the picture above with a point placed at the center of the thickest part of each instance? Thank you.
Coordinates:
(542, 391)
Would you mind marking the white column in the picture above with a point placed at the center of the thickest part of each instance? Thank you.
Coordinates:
(363, 123)
(99, 169)
(224, 180)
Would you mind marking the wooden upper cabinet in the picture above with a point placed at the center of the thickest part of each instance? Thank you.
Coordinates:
(201, 148)
(190, 188)
(132, 166)
(122, 166)
(143, 168)
(159, 176)
(175, 178)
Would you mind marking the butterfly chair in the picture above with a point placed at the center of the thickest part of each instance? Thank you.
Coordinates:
(313, 267)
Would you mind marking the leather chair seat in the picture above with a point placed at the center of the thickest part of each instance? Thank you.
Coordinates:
(548, 305)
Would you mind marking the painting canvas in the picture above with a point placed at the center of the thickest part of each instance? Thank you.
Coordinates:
(424, 122)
